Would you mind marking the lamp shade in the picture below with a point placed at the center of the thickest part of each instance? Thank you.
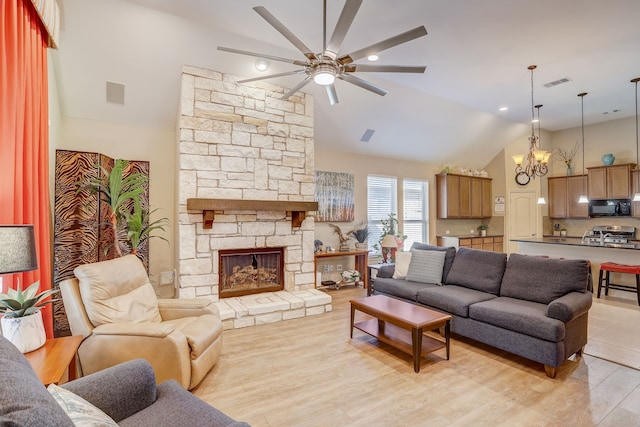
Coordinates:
(389, 241)
(18, 252)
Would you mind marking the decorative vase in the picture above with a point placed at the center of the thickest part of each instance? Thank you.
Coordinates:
(608, 159)
(569, 171)
(26, 333)
(361, 246)
(483, 233)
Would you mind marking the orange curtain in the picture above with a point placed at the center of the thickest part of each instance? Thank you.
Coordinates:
(24, 135)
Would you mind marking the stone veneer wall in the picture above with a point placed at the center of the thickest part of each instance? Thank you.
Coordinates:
(240, 141)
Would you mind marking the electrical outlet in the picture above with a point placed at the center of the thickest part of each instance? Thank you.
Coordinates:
(339, 267)
(446, 232)
(166, 277)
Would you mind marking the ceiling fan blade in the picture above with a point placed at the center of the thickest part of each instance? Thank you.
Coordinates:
(349, 12)
(267, 16)
(363, 84)
(331, 92)
(271, 76)
(366, 68)
(262, 55)
(296, 88)
(384, 44)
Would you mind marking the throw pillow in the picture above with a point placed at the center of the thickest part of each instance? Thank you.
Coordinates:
(426, 266)
(402, 265)
(81, 412)
(448, 259)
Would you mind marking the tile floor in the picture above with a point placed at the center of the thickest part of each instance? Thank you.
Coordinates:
(614, 328)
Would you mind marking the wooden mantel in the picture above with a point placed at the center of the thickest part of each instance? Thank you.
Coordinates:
(208, 206)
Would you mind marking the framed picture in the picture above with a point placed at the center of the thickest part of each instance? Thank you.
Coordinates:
(334, 194)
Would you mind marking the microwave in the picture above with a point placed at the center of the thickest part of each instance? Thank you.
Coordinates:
(611, 207)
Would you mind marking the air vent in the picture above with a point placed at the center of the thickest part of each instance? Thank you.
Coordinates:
(115, 93)
(367, 135)
(558, 82)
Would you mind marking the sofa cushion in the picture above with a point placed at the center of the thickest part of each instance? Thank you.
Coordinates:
(81, 412)
(402, 265)
(24, 400)
(525, 317)
(450, 252)
(479, 270)
(426, 266)
(543, 279)
(117, 290)
(400, 288)
(452, 299)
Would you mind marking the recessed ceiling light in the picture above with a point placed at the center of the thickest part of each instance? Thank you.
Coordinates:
(373, 57)
(503, 108)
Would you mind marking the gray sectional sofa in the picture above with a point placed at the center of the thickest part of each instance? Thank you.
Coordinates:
(534, 307)
(126, 392)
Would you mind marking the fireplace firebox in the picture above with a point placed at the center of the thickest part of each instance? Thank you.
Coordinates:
(250, 271)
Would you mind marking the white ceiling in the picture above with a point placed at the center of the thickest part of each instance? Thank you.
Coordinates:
(476, 52)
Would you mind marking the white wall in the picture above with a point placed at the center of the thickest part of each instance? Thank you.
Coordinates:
(157, 146)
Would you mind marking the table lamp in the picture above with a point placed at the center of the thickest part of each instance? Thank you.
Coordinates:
(389, 247)
(18, 249)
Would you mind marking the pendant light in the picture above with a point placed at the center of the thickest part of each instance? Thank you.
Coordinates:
(636, 197)
(583, 197)
(534, 163)
(541, 199)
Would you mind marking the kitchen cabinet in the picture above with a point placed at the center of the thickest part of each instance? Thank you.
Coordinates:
(609, 182)
(487, 243)
(462, 196)
(564, 192)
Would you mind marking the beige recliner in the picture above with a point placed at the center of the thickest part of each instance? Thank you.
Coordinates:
(114, 306)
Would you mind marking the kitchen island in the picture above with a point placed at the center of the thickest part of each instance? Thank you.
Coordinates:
(574, 248)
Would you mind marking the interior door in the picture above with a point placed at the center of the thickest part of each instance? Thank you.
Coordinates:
(523, 216)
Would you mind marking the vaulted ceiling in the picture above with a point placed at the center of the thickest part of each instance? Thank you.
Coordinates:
(476, 52)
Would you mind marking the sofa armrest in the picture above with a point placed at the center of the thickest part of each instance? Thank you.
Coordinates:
(570, 306)
(120, 391)
(178, 308)
(146, 329)
(386, 271)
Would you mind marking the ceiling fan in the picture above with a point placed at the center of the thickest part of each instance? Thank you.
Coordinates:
(326, 66)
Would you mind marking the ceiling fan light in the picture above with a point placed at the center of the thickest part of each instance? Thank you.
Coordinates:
(324, 78)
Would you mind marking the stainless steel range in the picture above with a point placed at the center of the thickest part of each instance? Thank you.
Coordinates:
(607, 234)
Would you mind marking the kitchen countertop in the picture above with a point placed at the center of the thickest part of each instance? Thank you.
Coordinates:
(577, 241)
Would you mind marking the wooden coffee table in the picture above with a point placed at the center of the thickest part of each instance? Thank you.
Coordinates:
(401, 325)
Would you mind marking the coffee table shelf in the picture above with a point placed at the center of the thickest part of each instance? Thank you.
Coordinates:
(397, 337)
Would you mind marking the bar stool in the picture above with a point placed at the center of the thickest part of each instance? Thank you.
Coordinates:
(612, 267)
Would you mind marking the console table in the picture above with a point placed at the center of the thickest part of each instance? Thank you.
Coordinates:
(361, 261)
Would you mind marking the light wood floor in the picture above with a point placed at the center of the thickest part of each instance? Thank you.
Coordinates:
(308, 372)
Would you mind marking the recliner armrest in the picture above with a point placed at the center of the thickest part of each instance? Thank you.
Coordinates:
(120, 391)
(192, 307)
(145, 329)
(570, 306)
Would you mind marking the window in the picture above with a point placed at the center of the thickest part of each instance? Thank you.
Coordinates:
(414, 207)
(381, 201)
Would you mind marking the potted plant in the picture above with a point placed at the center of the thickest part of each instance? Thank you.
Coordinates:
(482, 228)
(361, 234)
(21, 317)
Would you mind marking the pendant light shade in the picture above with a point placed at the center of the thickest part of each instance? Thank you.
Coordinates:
(583, 197)
(636, 196)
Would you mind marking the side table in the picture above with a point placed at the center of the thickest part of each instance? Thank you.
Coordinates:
(53, 359)
(373, 268)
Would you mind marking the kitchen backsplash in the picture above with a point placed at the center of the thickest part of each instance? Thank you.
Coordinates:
(577, 227)
(463, 227)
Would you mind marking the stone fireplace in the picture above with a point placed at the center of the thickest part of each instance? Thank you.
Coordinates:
(246, 181)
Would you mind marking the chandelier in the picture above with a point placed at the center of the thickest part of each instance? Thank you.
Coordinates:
(534, 163)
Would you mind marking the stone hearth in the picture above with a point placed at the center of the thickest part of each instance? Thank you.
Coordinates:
(242, 142)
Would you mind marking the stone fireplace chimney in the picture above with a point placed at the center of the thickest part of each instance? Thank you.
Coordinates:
(242, 142)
